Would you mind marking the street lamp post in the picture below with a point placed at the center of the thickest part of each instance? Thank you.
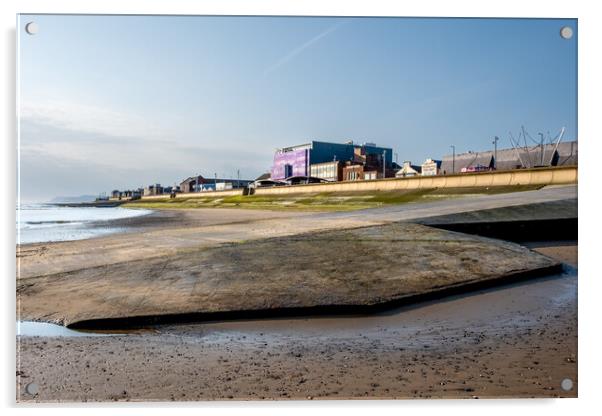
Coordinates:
(495, 152)
(453, 158)
(542, 148)
(307, 167)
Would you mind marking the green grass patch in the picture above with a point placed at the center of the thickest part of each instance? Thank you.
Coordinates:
(325, 201)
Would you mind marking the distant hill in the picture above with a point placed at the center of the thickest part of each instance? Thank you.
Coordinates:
(71, 199)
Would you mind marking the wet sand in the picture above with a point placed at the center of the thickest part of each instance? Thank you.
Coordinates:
(564, 251)
(518, 340)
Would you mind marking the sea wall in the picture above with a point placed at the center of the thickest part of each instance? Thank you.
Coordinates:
(538, 176)
(212, 194)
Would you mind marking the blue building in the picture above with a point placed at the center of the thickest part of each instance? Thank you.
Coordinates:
(296, 160)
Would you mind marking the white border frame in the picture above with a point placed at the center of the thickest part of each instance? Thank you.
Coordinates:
(589, 92)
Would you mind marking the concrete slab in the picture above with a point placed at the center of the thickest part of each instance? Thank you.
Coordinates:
(544, 221)
(552, 210)
(352, 268)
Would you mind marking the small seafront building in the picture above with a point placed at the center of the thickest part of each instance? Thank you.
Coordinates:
(201, 184)
(363, 172)
(265, 180)
(353, 172)
(155, 189)
(431, 167)
(408, 170)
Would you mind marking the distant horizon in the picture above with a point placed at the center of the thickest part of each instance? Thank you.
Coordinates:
(119, 102)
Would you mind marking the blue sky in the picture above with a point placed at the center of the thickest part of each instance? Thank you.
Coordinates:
(124, 101)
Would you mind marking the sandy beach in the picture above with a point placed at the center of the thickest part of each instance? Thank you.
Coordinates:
(514, 340)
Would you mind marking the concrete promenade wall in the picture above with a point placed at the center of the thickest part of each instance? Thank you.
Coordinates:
(538, 176)
(212, 194)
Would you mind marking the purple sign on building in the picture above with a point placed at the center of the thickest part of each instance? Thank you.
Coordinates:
(290, 163)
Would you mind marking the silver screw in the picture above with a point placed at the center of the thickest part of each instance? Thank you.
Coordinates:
(32, 388)
(567, 384)
(566, 32)
(32, 28)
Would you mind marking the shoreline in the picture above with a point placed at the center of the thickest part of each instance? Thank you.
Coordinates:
(78, 227)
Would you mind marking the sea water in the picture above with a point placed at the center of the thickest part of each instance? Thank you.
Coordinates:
(47, 222)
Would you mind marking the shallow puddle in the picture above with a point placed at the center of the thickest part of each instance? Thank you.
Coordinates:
(44, 329)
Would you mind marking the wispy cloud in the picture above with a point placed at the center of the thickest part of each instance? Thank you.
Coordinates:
(292, 54)
(83, 162)
(90, 119)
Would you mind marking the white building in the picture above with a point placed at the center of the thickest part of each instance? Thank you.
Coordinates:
(408, 170)
(431, 167)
